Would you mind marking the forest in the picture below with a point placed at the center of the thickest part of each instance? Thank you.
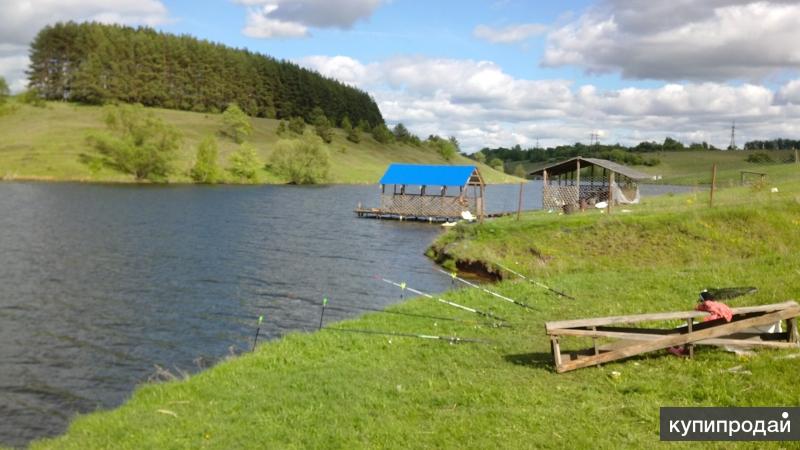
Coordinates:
(96, 63)
(633, 155)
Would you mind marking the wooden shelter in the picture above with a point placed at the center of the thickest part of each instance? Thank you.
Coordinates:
(429, 192)
(580, 181)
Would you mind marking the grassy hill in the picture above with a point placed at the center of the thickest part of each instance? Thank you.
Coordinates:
(694, 167)
(47, 144)
(341, 390)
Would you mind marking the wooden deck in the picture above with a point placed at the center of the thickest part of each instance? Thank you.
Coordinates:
(377, 213)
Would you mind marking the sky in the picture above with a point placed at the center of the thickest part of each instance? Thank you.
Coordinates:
(503, 72)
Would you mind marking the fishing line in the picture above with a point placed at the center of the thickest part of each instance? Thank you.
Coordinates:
(441, 300)
(534, 282)
(502, 297)
(451, 339)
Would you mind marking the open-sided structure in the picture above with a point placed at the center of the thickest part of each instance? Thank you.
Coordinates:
(583, 181)
(428, 192)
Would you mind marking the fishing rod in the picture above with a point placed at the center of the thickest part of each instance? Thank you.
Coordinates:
(503, 297)
(534, 282)
(450, 339)
(441, 300)
(353, 309)
(255, 341)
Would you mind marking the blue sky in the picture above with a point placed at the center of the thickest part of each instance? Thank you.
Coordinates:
(503, 72)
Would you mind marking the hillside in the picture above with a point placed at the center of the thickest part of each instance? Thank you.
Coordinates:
(347, 390)
(47, 144)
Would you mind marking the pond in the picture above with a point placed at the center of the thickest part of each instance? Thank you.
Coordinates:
(101, 283)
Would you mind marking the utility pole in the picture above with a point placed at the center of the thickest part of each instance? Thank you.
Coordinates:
(732, 145)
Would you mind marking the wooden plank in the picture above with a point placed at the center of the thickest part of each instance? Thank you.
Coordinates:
(717, 342)
(791, 329)
(556, 351)
(680, 315)
(681, 339)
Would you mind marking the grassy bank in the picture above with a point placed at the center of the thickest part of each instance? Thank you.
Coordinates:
(340, 390)
(47, 144)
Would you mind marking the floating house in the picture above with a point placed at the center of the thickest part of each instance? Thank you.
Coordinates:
(580, 182)
(429, 192)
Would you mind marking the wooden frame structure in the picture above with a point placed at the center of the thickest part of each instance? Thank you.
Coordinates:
(579, 182)
(635, 341)
(429, 193)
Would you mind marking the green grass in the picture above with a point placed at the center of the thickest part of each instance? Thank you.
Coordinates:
(47, 144)
(340, 390)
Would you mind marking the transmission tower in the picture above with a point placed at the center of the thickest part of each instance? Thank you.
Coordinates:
(732, 145)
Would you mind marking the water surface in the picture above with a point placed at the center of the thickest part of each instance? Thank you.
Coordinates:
(100, 283)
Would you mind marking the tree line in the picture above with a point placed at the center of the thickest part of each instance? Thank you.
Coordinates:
(96, 63)
(632, 155)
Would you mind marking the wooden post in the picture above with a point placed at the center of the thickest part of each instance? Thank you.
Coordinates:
(480, 210)
(796, 160)
(578, 182)
(556, 352)
(713, 184)
(610, 191)
(519, 205)
(791, 330)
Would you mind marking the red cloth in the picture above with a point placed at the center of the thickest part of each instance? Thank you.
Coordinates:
(718, 310)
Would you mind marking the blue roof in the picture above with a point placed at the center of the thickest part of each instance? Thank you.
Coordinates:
(427, 175)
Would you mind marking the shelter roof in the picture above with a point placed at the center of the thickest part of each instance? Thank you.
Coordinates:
(428, 175)
(569, 166)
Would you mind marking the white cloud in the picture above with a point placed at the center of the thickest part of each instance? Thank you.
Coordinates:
(293, 18)
(509, 34)
(482, 105)
(790, 92)
(23, 19)
(681, 40)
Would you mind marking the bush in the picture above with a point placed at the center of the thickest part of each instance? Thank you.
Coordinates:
(759, 158)
(236, 124)
(496, 164)
(446, 149)
(301, 161)
(297, 125)
(4, 91)
(322, 126)
(354, 136)
(353, 133)
(519, 171)
(282, 130)
(206, 169)
(32, 97)
(244, 163)
(382, 134)
(137, 142)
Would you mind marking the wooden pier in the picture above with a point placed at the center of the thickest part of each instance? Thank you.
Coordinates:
(377, 213)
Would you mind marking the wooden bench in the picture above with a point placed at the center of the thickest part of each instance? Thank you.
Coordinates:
(635, 341)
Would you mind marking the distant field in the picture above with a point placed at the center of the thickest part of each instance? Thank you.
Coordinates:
(694, 167)
(46, 144)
